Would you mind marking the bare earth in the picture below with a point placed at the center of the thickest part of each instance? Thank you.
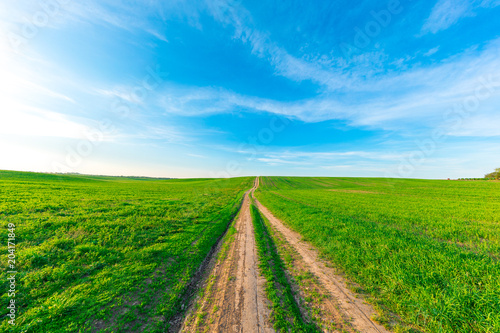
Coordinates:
(350, 306)
(234, 297)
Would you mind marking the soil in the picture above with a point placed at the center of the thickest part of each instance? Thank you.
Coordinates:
(233, 298)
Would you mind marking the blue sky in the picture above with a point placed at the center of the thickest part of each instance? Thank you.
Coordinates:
(231, 88)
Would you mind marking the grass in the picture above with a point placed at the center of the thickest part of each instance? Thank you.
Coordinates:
(425, 250)
(108, 254)
(285, 312)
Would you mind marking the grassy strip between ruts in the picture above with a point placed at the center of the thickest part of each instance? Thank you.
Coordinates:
(285, 314)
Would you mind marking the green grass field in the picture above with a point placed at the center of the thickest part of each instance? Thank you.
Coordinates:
(425, 250)
(116, 254)
(109, 252)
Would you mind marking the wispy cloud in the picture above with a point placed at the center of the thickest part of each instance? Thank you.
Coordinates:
(122, 93)
(171, 134)
(397, 101)
(333, 155)
(419, 93)
(196, 155)
(448, 12)
(231, 13)
(431, 51)
(487, 125)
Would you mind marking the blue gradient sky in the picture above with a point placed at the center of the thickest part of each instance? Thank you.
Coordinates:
(231, 88)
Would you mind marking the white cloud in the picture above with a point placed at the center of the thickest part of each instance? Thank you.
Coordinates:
(333, 155)
(25, 157)
(196, 155)
(431, 51)
(479, 126)
(24, 96)
(124, 93)
(278, 161)
(230, 13)
(448, 12)
(170, 134)
(421, 96)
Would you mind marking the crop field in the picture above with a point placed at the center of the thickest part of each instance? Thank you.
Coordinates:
(425, 252)
(107, 254)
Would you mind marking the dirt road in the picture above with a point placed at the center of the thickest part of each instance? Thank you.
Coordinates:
(233, 299)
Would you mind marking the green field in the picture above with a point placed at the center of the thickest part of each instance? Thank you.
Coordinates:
(426, 250)
(117, 254)
(109, 252)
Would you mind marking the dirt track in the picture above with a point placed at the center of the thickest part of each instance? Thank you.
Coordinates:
(234, 298)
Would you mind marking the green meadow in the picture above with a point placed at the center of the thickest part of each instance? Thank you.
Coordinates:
(425, 252)
(110, 253)
(117, 254)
